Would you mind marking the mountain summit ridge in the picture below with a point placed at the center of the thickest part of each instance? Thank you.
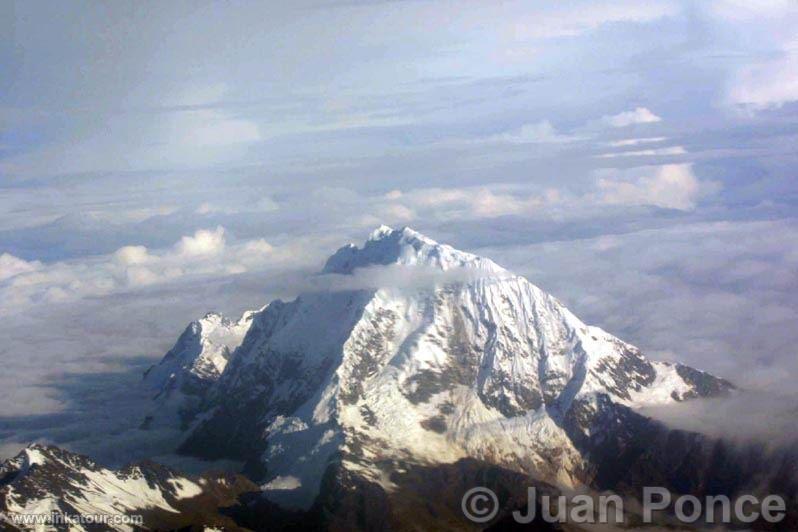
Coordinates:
(405, 247)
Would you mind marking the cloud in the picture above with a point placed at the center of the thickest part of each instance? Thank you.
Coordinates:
(540, 132)
(639, 115)
(588, 17)
(172, 137)
(477, 202)
(204, 128)
(536, 132)
(767, 84)
(205, 253)
(764, 76)
(204, 242)
(192, 123)
(11, 266)
(634, 142)
(128, 255)
(654, 152)
(671, 186)
(198, 95)
(261, 205)
(199, 120)
(255, 249)
(747, 416)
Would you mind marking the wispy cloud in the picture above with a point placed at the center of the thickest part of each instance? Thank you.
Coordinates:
(638, 115)
(537, 132)
(634, 142)
(649, 152)
(767, 79)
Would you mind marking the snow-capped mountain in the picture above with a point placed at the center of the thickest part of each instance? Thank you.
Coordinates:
(416, 353)
(43, 480)
(413, 373)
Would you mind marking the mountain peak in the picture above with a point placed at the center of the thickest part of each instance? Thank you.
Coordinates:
(381, 232)
(490, 368)
(385, 232)
(35, 454)
(404, 246)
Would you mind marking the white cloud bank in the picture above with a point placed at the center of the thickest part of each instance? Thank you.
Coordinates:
(206, 252)
(474, 202)
(669, 186)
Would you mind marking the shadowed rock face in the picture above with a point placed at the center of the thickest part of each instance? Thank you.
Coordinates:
(629, 451)
(422, 498)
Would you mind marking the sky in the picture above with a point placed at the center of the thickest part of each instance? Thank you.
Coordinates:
(161, 160)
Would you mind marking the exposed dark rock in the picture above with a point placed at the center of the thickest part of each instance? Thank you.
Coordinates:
(632, 372)
(704, 384)
(435, 424)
